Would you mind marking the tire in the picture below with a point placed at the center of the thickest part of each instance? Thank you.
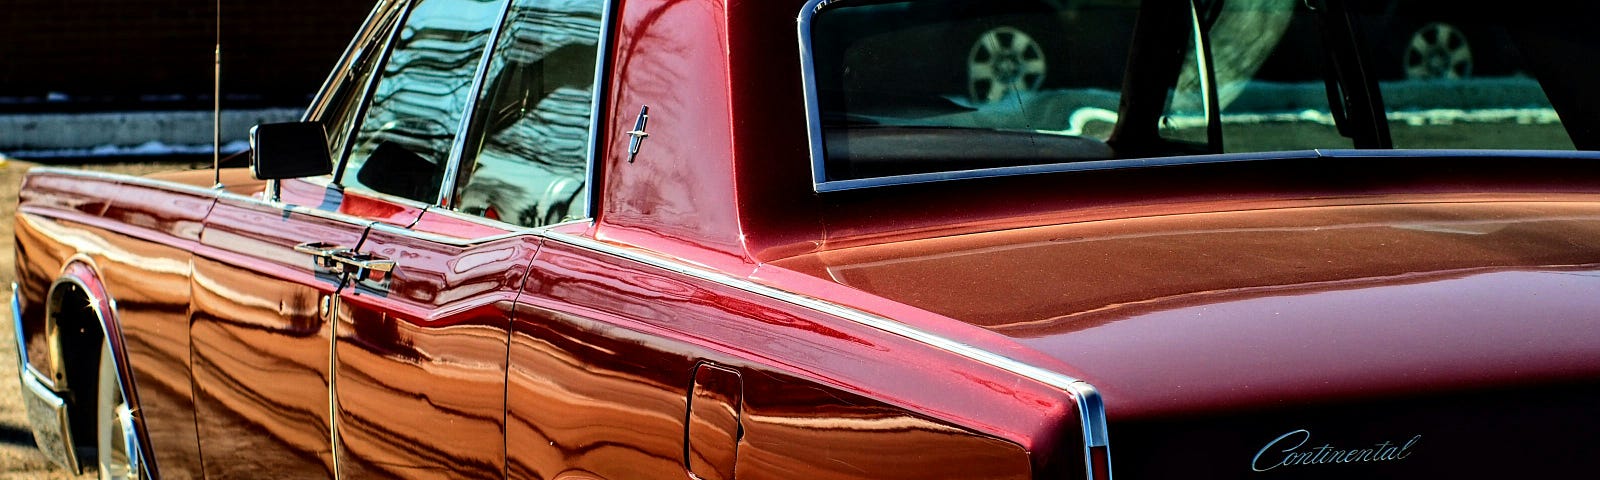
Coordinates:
(117, 448)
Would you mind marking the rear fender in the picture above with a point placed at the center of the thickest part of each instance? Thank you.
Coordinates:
(80, 276)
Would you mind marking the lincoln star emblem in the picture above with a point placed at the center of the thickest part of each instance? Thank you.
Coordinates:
(1291, 449)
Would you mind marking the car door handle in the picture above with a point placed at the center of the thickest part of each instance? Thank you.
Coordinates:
(364, 263)
(322, 253)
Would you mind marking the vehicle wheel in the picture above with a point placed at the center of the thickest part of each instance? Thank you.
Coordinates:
(1437, 50)
(117, 446)
(1004, 61)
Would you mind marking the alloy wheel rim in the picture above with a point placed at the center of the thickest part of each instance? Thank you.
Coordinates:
(1438, 51)
(1004, 62)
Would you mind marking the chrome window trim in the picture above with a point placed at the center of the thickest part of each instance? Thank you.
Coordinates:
(602, 72)
(452, 164)
(366, 92)
(301, 209)
(1091, 407)
(808, 80)
(325, 182)
(512, 232)
(319, 104)
(821, 184)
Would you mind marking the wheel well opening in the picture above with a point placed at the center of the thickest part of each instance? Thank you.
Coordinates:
(78, 327)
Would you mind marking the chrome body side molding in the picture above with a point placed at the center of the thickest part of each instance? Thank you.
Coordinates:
(1091, 409)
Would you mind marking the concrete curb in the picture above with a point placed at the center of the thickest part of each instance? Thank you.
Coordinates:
(60, 131)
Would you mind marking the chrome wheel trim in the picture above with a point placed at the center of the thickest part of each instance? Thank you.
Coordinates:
(1437, 51)
(1003, 62)
(117, 446)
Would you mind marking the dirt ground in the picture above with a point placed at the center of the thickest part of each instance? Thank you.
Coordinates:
(19, 458)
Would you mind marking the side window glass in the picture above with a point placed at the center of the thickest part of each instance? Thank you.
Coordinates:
(406, 135)
(338, 116)
(526, 156)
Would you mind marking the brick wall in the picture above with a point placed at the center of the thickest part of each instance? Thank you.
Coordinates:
(119, 51)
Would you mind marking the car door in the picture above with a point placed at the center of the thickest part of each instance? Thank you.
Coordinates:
(268, 271)
(259, 325)
(420, 354)
(260, 335)
(425, 332)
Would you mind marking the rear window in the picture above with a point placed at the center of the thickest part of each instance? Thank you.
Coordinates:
(934, 89)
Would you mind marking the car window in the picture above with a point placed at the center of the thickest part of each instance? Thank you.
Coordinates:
(929, 90)
(918, 86)
(1446, 79)
(408, 130)
(338, 110)
(527, 151)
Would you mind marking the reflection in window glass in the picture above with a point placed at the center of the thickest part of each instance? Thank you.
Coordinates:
(405, 139)
(528, 146)
(946, 85)
(339, 121)
(1446, 80)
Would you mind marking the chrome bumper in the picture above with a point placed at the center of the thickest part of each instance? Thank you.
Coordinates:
(47, 412)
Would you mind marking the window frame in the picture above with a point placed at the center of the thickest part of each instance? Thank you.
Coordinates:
(445, 199)
(1383, 149)
(366, 105)
(594, 146)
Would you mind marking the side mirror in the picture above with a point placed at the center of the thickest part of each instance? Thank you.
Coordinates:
(289, 150)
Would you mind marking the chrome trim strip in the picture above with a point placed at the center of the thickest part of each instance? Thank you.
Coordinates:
(366, 90)
(325, 182)
(1085, 166)
(1091, 409)
(808, 78)
(452, 164)
(602, 72)
(24, 368)
(1329, 154)
(821, 183)
(121, 178)
(347, 60)
(449, 240)
(345, 68)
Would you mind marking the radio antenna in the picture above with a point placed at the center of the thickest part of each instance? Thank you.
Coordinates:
(216, 104)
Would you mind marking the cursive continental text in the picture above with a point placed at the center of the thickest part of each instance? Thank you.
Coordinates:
(1286, 450)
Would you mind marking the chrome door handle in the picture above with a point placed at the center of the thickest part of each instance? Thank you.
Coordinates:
(364, 263)
(322, 253)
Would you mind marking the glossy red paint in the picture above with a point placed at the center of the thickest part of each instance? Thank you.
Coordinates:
(1255, 299)
(717, 316)
(261, 339)
(677, 195)
(138, 273)
(443, 313)
(640, 332)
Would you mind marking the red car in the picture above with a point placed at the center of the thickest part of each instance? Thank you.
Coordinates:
(687, 239)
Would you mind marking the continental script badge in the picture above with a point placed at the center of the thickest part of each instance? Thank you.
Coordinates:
(1293, 449)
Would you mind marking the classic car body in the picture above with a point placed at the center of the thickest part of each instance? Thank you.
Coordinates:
(723, 259)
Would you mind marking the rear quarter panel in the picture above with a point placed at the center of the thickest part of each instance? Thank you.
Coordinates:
(604, 353)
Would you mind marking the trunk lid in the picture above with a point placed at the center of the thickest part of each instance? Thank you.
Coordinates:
(1329, 338)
